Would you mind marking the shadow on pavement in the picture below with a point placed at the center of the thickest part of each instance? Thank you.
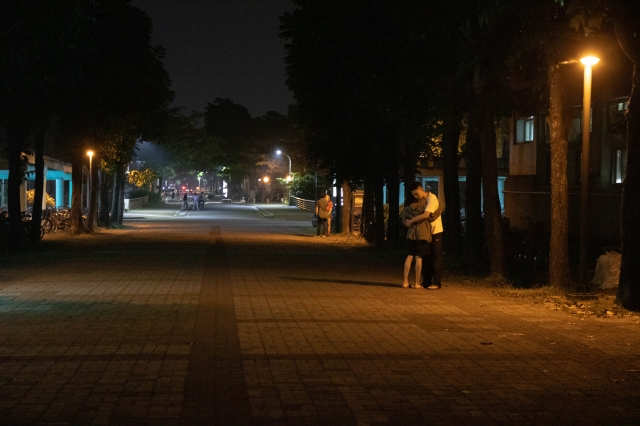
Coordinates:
(325, 280)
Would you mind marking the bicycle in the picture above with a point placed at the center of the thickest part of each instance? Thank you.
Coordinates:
(24, 235)
(314, 219)
(528, 250)
(369, 231)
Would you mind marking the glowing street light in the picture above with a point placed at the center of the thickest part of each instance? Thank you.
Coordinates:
(588, 62)
(282, 153)
(90, 154)
(289, 177)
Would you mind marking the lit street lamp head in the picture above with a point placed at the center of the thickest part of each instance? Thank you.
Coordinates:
(589, 60)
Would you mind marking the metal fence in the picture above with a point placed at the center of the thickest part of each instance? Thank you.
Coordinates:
(303, 204)
(136, 203)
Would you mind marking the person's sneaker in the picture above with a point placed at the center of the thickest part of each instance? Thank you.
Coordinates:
(418, 286)
(434, 287)
(324, 236)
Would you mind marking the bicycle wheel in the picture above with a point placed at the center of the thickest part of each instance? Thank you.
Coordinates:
(516, 244)
(370, 233)
(47, 225)
(538, 252)
(314, 221)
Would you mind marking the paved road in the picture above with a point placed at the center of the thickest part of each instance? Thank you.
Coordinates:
(237, 315)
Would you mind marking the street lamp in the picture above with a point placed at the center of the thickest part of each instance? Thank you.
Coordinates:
(588, 62)
(90, 154)
(289, 177)
(282, 153)
(263, 189)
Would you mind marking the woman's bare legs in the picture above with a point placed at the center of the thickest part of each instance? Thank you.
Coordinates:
(407, 269)
(418, 272)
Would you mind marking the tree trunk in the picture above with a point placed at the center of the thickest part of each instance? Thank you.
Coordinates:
(121, 198)
(103, 209)
(17, 133)
(625, 17)
(77, 226)
(393, 191)
(378, 187)
(492, 212)
(346, 210)
(368, 204)
(453, 234)
(559, 124)
(38, 193)
(115, 196)
(336, 225)
(93, 196)
(474, 237)
(408, 165)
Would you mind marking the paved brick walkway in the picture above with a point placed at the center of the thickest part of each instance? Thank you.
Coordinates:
(229, 316)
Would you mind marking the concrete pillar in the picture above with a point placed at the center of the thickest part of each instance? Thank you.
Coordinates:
(59, 192)
(2, 201)
(70, 193)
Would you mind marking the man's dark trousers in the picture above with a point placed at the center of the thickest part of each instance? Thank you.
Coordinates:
(321, 225)
(432, 263)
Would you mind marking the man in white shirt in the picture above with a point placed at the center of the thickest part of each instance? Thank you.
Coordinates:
(432, 264)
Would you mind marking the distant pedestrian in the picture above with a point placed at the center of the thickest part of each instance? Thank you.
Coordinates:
(322, 215)
(173, 195)
(194, 198)
(185, 203)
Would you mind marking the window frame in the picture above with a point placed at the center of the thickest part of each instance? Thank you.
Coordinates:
(528, 129)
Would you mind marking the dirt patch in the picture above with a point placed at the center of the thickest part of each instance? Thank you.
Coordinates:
(603, 305)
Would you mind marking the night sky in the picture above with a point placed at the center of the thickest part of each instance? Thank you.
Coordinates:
(222, 49)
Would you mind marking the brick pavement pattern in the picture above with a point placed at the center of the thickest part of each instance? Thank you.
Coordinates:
(233, 317)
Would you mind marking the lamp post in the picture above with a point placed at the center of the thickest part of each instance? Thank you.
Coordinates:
(282, 153)
(289, 177)
(264, 196)
(90, 154)
(588, 62)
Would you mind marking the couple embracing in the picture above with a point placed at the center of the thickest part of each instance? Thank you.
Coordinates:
(421, 216)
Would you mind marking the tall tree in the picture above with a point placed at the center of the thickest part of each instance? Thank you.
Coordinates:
(123, 90)
(357, 70)
(40, 43)
(626, 15)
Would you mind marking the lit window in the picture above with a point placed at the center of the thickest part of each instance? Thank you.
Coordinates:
(524, 130)
(619, 165)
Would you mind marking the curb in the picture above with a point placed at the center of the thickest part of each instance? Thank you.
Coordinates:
(262, 213)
